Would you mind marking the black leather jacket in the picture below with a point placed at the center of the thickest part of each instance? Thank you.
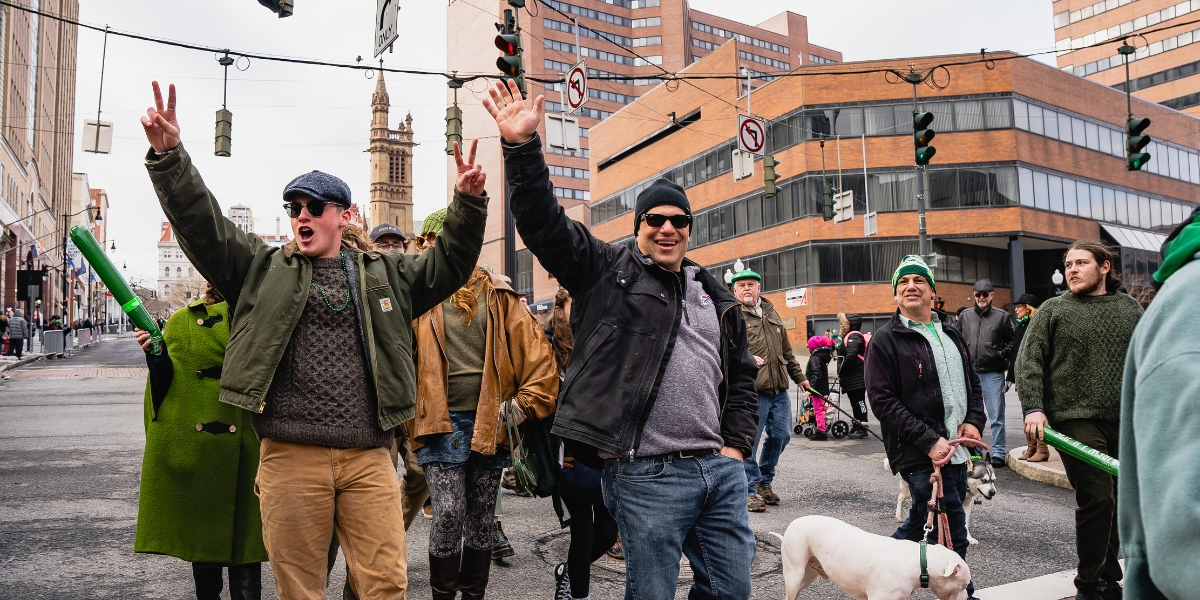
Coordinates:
(989, 336)
(905, 393)
(624, 316)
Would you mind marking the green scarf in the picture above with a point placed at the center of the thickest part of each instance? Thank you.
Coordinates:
(1022, 320)
(1179, 251)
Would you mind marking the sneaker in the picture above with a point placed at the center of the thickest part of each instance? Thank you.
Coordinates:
(617, 551)
(858, 432)
(562, 582)
(427, 511)
(501, 548)
(768, 495)
(755, 503)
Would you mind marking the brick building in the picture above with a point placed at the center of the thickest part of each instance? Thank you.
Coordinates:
(1029, 158)
(1166, 67)
(665, 34)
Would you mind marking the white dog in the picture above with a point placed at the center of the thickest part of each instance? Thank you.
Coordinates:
(981, 485)
(864, 565)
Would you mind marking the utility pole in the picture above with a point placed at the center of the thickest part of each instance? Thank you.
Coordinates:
(923, 243)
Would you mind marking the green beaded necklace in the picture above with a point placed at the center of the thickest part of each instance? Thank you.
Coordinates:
(321, 288)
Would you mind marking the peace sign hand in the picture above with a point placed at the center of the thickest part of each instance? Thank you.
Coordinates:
(470, 175)
(161, 127)
(517, 123)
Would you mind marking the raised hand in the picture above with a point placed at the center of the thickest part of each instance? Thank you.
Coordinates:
(162, 130)
(517, 122)
(470, 175)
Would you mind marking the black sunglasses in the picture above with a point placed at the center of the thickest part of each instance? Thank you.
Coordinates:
(982, 294)
(677, 221)
(315, 208)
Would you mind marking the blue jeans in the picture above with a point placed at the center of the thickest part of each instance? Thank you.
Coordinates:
(954, 491)
(774, 415)
(666, 506)
(993, 401)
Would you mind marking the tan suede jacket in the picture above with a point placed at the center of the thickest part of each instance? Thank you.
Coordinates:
(518, 365)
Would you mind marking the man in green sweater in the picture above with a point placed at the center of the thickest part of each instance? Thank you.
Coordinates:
(1159, 514)
(1069, 377)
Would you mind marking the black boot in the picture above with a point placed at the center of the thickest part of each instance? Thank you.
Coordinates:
(208, 582)
(245, 582)
(476, 569)
(444, 576)
(501, 547)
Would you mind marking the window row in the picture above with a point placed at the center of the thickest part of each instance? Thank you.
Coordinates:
(763, 60)
(569, 172)
(590, 113)
(1182, 102)
(717, 31)
(610, 96)
(1165, 160)
(631, 3)
(653, 40)
(647, 22)
(572, 194)
(562, 67)
(702, 168)
(1161, 77)
(1065, 18)
(1137, 266)
(820, 60)
(1116, 60)
(1124, 29)
(586, 32)
(581, 153)
(707, 45)
(588, 13)
(1092, 201)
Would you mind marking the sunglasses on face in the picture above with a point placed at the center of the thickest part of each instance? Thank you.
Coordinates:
(316, 208)
(982, 294)
(677, 221)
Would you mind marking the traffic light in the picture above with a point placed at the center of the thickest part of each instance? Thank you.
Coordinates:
(281, 7)
(922, 135)
(769, 176)
(843, 206)
(826, 201)
(509, 43)
(1134, 142)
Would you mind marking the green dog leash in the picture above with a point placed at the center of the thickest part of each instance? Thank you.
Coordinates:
(924, 567)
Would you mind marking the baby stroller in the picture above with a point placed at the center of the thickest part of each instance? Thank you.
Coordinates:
(808, 421)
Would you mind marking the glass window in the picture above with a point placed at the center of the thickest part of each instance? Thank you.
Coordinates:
(969, 272)
(1041, 191)
(1064, 128)
(710, 165)
(943, 116)
(1084, 192)
(783, 208)
(726, 222)
(689, 175)
(968, 114)
(894, 191)
(1035, 119)
(856, 263)
(1070, 200)
(780, 135)
(1050, 123)
(1106, 140)
(1110, 204)
(1097, 202)
(1118, 142)
(676, 175)
(953, 262)
(754, 213)
(1021, 114)
(714, 226)
(770, 272)
(770, 215)
(1056, 194)
(997, 114)
(1025, 177)
(1077, 131)
(739, 218)
(904, 119)
(943, 188)
(701, 228)
(1155, 213)
(828, 263)
(1144, 211)
(800, 255)
(820, 122)
(787, 269)
(1092, 133)
(880, 120)
(1173, 161)
(1122, 208)
(887, 255)
(1004, 186)
(849, 122)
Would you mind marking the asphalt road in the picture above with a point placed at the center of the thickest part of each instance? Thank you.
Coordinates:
(70, 457)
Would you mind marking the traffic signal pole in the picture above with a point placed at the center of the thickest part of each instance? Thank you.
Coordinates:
(923, 241)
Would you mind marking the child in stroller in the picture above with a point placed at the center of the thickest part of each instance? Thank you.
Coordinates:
(818, 380)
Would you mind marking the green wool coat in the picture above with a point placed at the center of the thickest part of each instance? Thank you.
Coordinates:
(197, 497)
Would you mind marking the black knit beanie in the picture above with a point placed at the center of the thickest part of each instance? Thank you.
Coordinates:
(662, 191)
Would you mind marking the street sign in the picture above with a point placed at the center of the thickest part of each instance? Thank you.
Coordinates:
(796, 297)
(99, 142)
(577, 94)
(386, 31)
(752, 135)
(743, 165)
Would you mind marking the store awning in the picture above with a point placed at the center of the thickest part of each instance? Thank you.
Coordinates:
(1141, 239)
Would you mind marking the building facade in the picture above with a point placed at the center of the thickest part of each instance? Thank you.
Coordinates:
(37, 99)
(1029, 158)
(178, 281)
(242, 216)
(1166, 66)
(391, 164)
(639, 38)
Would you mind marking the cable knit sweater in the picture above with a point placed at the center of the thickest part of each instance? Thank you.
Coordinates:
(321, 394)
(1071, 359)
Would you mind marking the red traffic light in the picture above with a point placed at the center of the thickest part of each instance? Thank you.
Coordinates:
(507, 44)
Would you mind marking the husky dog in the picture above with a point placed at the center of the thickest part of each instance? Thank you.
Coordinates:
(981, 485)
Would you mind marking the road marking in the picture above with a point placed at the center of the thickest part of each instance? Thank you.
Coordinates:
(75, 373)
(1054, 586)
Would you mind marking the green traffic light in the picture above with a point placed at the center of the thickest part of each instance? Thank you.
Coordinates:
(925, 154)
(922, 135)
(769, 176)
(1135, 161)
(826, 202)
(1134, 142)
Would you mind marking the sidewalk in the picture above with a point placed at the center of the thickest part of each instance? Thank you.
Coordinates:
(1054, 586)
(1050, 472)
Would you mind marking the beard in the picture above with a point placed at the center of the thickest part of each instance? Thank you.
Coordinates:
(1087, 285)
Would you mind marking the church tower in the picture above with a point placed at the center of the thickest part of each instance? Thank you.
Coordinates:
(391, 165)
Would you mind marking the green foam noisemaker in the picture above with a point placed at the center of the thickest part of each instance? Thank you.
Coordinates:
(1085, 453)
(107, 272)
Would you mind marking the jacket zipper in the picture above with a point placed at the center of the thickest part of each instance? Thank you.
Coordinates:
(680, 289)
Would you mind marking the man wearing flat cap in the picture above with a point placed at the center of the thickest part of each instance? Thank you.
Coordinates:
(660, 383)
(320, 353)
(989, 334)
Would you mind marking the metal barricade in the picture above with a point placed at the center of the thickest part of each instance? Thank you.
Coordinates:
(52, 342)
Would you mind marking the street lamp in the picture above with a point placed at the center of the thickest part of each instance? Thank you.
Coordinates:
(1057, 279)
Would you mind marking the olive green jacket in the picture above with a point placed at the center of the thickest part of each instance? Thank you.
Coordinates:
(769, 341)
(266, 288)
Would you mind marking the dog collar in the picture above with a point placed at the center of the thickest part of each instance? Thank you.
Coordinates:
(924, 567)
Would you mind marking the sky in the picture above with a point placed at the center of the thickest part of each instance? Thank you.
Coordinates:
(289, 119)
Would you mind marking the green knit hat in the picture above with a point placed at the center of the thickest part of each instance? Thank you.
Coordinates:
(913, 265)
(434, 221)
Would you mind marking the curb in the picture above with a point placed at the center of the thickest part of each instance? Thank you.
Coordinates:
(20, 363)
(1047, 472)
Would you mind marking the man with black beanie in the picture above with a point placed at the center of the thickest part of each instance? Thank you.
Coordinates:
(660, 383)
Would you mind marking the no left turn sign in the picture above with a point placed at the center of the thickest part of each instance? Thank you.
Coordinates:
(577, 94)
(752, 136)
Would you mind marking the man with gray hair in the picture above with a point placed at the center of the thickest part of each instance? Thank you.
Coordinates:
(989, 332)
(18, 331)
